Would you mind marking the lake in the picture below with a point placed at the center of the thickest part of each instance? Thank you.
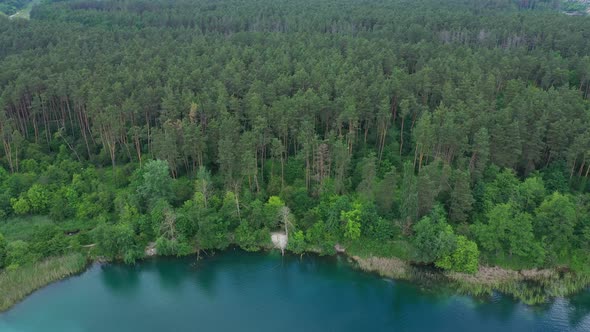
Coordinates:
(239, 291)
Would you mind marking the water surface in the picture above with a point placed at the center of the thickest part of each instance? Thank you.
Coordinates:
(237, 291)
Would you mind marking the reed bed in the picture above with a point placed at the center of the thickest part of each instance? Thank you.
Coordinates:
(16, 284)
(532, 287)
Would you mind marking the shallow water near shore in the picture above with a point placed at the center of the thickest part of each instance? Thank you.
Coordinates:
(239, 291)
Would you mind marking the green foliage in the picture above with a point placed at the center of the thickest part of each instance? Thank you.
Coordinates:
(19, 254)
(48, 240)
(38, 198)
(433, 237)
(509, 231)
(272, 211)
(555, 221)
(555, 177)
(320, 239)
(530, 193)
(573, 6)
(128, 214)
(369, 247)
(213, 233)
(230, 210)
(465, 257)
(409, 195)
(461, 199)
(352, 222)
(443, 125)
(298, 199)
(3, 255)
(187, 219)
(382, 229)
(352, 230)
(297, 242)
(245, 237)
(63, 204)
(157, 216)
(203, 186)
(115, 241)
(367, 170)
(172, 247)
(10, 7)
(330, 210)
(385, 192)
(501, 189)
(155, 182)
(20, 206)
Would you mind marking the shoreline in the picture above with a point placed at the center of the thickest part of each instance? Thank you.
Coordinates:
(532, 287)
(16, 285)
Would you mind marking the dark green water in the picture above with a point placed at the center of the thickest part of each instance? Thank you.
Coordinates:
(237, 291)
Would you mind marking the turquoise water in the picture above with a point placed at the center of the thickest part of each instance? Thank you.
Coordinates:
(237, 291)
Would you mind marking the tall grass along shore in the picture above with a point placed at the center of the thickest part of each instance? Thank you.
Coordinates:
(16, 284)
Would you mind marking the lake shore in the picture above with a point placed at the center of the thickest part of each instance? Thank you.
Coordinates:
(17, 284)
(532, 287)
(265, 290)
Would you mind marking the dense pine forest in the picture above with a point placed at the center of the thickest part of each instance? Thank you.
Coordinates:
(448, 133)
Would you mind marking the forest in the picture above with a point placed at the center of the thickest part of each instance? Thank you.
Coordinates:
(451, 133)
